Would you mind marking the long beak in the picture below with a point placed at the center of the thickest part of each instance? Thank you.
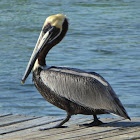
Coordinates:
(42, 42)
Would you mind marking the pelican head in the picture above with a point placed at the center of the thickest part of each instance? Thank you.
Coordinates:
(53, 31)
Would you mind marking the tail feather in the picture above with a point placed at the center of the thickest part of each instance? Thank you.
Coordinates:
(122, 112)
(119, 109)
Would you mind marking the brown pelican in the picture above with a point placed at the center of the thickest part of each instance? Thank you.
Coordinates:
(70, 89)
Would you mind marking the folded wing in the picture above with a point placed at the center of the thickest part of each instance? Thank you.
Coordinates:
(86, 89)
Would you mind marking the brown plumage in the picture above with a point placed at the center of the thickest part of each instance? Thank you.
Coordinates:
(73, 90)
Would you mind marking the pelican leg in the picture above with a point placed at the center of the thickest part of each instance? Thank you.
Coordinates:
(96, 122)
(60, 124)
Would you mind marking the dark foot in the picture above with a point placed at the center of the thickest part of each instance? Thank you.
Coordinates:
(43, 129)
(58, 125)
(94, 123)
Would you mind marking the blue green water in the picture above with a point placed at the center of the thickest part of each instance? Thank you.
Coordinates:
(103, 36)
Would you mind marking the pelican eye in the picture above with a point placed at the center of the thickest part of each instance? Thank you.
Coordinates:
(47, 27)
(54, 33)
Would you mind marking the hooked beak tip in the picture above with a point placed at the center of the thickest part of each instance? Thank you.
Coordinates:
(22, 81)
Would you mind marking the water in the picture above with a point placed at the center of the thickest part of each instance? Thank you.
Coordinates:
(103, 36)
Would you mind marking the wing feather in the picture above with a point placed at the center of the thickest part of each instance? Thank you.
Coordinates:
(87, 89)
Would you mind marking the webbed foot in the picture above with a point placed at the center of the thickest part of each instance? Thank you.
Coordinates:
(58, 125)
(96, 122)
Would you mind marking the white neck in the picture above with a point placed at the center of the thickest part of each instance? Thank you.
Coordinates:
(36, 65)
